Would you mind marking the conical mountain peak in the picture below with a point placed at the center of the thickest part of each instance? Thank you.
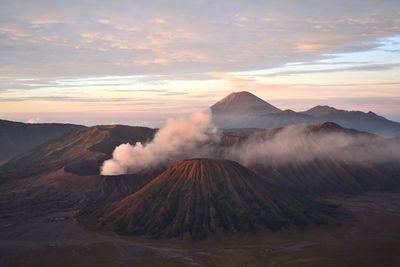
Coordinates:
(202, 197)
(243, 103)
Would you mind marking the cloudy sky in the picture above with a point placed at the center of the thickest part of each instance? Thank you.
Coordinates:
(138, 62)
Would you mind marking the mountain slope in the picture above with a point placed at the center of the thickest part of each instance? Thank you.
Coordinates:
(241, 110)
(64, 173)
(82, 151)
(245, 110)
(17, 137)
(323, 158)
(242, 103)
(202, 197)
(362, 121)
(284, 118)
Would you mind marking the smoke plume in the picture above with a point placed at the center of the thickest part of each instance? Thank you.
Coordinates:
(180, 138)
(302, 143)
(196, 136)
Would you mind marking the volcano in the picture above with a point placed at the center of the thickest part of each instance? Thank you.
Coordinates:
(243, 103)
(203, 197)
(245, 110)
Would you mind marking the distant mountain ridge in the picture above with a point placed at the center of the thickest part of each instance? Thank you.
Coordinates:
(245, 110)
(363, 121)
(18, 137)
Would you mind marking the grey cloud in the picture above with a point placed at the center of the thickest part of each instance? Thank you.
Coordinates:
(318, 63)
(172, 93)
(161, 92)
(13, 84)
(346, 84)
(193, 36)
(391, 50)
(367, 67)
(332, 101)
(136, 90)
(73, 99)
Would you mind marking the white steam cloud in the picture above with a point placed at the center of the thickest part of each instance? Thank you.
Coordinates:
(302, 143)
(188, 136)
(196, 136)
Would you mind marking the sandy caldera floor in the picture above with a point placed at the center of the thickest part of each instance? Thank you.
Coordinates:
(371, 237)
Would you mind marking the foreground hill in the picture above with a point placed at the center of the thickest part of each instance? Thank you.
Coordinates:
(202, 197)
(245, 110)
(17, 137)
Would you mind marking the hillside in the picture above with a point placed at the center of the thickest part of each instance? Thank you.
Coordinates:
(82, 151)
(323, 158)
(64, 173)
(363, 121)
(240, 103)
(17, 137)
(203, 197)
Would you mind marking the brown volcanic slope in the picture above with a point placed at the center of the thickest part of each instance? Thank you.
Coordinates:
(82, 151)
(17, 137)
(65, 171)
(327, 171)
(202, 197)
(73, 159)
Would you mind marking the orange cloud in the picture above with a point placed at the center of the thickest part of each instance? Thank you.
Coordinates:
(178, 57)
(309, 47)
(245, 83)
(45, 21)
(157, 21)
